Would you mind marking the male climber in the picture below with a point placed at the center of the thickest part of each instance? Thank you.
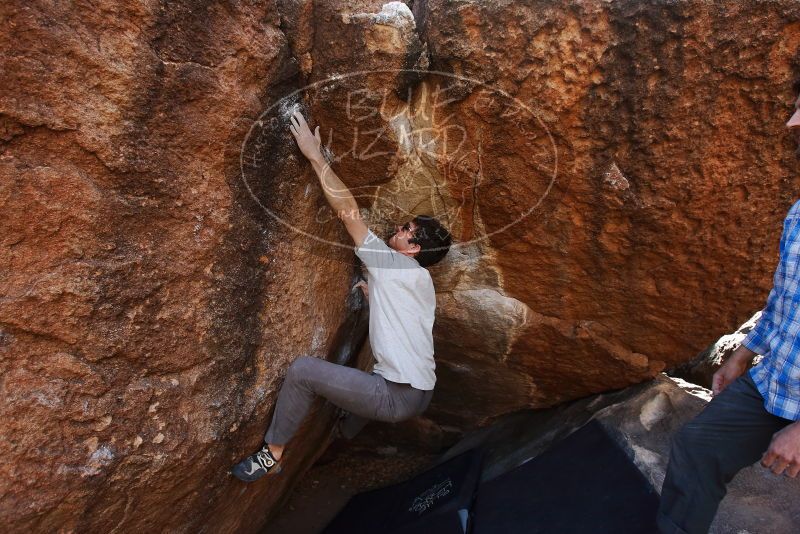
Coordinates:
(402, 305)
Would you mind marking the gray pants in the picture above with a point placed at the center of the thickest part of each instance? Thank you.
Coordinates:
(364, 396)
(731, 433)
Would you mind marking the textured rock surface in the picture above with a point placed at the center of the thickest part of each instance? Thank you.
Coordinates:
(149, 306)
(642, 249)
(150, 303)
(700, 370)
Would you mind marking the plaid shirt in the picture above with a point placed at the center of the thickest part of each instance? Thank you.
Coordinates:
(777, 333)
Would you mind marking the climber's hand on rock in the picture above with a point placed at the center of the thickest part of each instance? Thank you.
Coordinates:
(364, 287)
(307, 142)
(783, 454)
(732, 369)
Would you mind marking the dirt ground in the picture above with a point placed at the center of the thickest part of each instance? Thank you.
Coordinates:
(380, 455)
(339, 474)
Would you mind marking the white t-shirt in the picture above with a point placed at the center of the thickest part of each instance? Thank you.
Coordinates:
(402, 305)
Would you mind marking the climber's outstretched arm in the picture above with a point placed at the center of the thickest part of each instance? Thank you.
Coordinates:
(338, 195)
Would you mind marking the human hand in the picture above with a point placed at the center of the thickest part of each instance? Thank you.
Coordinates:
(733, 368)
(307, 142)
(364, 287)
(783, 454)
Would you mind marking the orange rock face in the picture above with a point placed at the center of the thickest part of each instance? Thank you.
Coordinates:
(615, 174)
(673, 172)
(150, 305)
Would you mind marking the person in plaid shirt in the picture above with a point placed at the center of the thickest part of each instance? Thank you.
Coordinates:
(753, 414)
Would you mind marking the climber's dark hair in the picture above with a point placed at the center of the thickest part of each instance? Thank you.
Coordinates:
(433, 238)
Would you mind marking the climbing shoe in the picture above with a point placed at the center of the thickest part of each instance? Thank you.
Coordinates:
(256, 465)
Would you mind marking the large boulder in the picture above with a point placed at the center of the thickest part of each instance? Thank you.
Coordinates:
(149, 304)
(651, 175)
(166, 253)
